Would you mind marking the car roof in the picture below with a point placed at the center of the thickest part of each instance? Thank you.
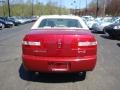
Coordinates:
(59, 17)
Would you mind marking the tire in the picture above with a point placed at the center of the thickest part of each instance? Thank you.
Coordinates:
(94, 31)
(25, 74)
(104, 31)
(3, 26)
(82, 75)
(112, 36)
(28, 72)
(13, 25)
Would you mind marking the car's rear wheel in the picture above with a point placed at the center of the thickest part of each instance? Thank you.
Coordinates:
(27, 71)
(25, 74)
(30, 72)
(82, 75)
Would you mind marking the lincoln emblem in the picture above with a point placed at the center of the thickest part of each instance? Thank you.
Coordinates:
(59, 43)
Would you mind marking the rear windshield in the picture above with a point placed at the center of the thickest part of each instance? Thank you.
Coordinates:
(60, 23)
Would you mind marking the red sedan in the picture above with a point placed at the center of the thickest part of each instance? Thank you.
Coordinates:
(59, 43)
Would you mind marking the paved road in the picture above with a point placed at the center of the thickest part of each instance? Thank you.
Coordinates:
(106, 75)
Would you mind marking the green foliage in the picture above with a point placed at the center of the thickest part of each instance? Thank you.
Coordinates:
(92, 4)
(25, 9)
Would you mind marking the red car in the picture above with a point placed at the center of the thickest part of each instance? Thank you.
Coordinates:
(59, 43)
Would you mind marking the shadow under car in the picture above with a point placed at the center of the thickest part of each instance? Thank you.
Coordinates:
(50, 77)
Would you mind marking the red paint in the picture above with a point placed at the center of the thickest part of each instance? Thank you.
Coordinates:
(59, 51)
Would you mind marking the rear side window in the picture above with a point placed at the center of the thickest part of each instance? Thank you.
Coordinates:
(60, 23)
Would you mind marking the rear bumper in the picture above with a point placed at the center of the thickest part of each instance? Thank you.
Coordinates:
(42, 64)
(8, 25)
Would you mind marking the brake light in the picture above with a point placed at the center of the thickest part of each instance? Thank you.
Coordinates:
(31, 43)
(87, 43)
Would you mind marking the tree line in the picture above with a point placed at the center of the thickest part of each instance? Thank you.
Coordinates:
(105, 7)
(28, 8)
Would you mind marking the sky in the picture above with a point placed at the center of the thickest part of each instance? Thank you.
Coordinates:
(69, 3)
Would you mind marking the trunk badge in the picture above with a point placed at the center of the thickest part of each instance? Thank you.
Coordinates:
(59, 43)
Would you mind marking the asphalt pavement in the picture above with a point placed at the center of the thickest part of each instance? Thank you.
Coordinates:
(106, 75)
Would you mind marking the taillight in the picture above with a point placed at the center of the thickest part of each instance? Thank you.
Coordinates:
(31, 43)
(87, 43)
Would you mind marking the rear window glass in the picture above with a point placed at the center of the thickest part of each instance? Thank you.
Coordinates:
(60, 23)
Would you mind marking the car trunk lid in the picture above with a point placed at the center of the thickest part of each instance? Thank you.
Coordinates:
(60, 43)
